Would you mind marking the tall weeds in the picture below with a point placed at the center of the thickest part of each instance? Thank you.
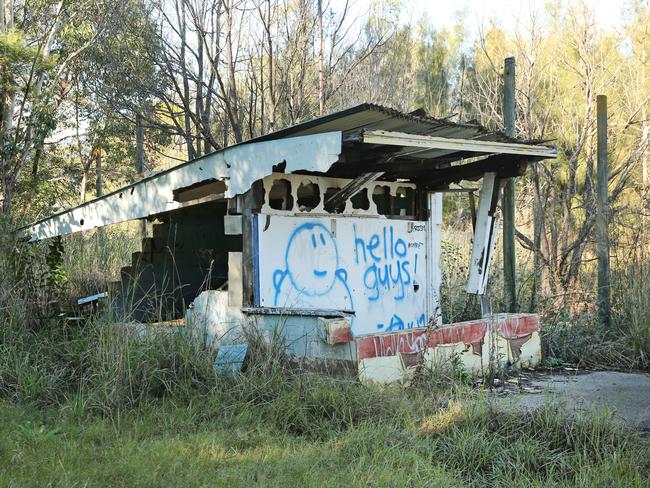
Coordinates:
(98, 368)
(90, 261)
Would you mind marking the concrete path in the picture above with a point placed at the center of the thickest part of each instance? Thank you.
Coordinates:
(626, 395)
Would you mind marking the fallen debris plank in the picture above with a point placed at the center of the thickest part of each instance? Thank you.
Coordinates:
(352, 188)
(92, 298)
(306, 312)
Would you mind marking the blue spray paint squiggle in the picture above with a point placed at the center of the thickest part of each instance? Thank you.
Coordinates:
(397, 323)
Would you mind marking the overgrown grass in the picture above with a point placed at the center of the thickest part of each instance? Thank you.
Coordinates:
(206, 442)
(632, 294)
(590, 345)
(624, 344)
(96, 368)
(101, 405)
(90, 261)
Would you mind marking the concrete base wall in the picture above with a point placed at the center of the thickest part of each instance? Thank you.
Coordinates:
(477, 346)
(495, 350)
(212, 321)
(503, 340)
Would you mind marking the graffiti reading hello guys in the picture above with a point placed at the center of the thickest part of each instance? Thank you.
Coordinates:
(380, 270)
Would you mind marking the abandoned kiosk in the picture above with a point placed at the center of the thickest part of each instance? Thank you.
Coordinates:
(327, 232)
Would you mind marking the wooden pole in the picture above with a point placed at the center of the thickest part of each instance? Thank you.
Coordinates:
(602, 217)
(509, 264)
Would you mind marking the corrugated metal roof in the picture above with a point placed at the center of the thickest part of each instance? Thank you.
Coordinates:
(407, 162)
(377, 117)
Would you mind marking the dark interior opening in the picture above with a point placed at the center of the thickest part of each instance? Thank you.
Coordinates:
(382, 198)
(329, 207)
(280, 197)
(308, 196)
(186, 253)
(404, 201)
(360, 200)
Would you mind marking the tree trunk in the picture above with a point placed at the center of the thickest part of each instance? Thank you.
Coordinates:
(83, 184)
(231, 95)
(99, 180)
(321, 69)
(186, 84)
(272, 94)
(139, 142)
(538, 220)
(199, 94)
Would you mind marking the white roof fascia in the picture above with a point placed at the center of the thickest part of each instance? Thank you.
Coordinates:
(252, 162)
(453, 145)
(238, 165)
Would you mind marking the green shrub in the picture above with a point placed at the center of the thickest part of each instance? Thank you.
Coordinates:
(589, 345)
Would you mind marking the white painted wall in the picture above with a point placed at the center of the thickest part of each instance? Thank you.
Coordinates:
(374, 266)
(434, 251)
(239, 166)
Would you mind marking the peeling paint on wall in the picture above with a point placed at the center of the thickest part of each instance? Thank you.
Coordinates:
(501, 339)
(417, 341)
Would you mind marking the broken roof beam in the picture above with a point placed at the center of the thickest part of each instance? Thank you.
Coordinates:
(147, 197)
(504, 166)
(238, 166)
(388, 138)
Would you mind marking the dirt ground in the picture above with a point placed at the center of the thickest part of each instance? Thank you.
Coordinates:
(626, 395)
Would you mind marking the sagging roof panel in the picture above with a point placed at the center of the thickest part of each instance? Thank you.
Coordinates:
(235, 168)
(377, 117)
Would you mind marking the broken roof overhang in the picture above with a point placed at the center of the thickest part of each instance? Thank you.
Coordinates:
(430, 147)
(237, 166)
(350, 143)
(430, 165)
(433, 161)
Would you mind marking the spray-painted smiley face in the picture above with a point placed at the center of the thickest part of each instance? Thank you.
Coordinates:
(312, 259)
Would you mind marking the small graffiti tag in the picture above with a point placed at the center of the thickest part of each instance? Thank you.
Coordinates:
(397, 323)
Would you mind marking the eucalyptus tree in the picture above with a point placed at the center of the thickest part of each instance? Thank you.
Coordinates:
(120, 90)
(41, 42)
(239, 68)
(563, 61)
